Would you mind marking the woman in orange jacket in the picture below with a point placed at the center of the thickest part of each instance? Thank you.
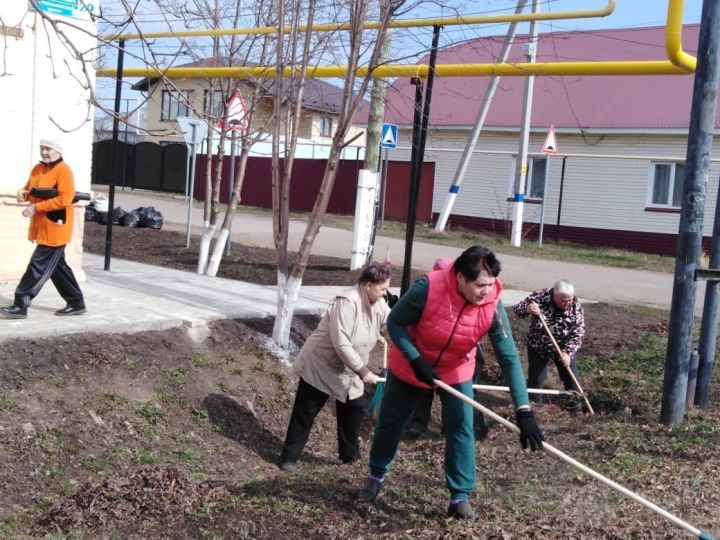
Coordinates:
(51, 225)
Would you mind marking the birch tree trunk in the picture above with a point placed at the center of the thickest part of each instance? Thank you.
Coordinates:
(289, 281)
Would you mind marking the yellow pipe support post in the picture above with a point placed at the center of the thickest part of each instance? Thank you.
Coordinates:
(370, 25)
(673, 37)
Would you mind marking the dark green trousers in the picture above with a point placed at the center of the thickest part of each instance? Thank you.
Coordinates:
(398, 402)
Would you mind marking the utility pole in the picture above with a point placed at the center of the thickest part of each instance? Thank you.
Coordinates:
(420, 125)
(522, 165)
(690, 230)
(477, 127)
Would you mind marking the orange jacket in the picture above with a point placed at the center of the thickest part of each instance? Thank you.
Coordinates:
(52, 224)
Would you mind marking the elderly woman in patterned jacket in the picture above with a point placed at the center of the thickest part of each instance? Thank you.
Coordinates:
(333, 363)
(566, 319)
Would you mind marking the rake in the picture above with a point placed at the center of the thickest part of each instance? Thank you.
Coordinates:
(614, 485)
(559, 351)
(374, 407)
(492, 388)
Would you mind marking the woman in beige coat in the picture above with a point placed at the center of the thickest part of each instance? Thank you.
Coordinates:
(333, 363)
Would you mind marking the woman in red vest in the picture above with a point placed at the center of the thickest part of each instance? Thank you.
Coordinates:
(435, 328)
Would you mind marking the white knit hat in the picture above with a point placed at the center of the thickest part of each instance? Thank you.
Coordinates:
(52, 143)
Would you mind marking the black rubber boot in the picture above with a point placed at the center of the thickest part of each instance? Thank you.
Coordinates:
(370, 492)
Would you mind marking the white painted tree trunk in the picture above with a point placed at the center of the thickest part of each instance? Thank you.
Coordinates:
(288, 289)
(205, 239)
(217, 253)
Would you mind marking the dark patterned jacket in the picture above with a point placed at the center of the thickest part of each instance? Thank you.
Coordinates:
(568, 327)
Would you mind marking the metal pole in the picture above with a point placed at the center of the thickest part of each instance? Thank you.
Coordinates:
(376, 202)
(522, 164)
(477, 127)
(542, 206)
(384, 189)
(192, 186)
(416, 168)
(113, 154)
(709, 325)
(697, 166)
(692, 379)
(231, 183)
(562, 185)
(125, 153)
(417, 123)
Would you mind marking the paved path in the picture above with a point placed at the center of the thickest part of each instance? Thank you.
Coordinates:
(598, 283)
(134, 297)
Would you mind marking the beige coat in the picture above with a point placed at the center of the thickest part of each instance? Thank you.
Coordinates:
(338, 349)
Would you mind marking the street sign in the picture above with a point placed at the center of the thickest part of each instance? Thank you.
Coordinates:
(77, 9)
(550, 146)
(388, 137)
(192, 136)
(235, 115)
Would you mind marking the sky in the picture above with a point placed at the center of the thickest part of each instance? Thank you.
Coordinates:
(412, 44)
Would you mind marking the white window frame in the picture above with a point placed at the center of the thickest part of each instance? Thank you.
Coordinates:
(177, 106)
(671, 188)
(326, 126)
(528, 178)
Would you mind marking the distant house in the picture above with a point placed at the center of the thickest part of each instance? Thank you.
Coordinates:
(321, 102)
(625, 139)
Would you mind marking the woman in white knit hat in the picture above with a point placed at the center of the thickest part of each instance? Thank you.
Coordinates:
(49, 193)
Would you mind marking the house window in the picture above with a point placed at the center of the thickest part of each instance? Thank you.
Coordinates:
(175, 103)
(535, 180)
(326, 126)
(666, 182)
(218, 103)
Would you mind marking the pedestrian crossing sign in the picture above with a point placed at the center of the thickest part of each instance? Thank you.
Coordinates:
(388, 137)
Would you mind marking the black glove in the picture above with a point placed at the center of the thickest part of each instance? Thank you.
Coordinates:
(423, 371)
(529, 430)
(391, 298)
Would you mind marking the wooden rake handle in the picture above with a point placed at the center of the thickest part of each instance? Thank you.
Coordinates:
(385, 353)
(546, 446)
(572, 375)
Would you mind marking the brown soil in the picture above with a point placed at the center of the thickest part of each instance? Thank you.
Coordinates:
(152, 435)
(246, 263)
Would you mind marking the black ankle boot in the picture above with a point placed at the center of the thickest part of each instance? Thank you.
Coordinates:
(14, 312)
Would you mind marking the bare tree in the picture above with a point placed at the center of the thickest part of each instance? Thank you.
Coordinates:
(357, 45)
(226, 52)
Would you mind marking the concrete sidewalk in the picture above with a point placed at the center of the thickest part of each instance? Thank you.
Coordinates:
(600, 283)
(134, 297)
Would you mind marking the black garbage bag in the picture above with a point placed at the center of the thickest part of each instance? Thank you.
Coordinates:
(117, 215)
(102, 217)
(150, 218)
(90, 213)
(131, 219)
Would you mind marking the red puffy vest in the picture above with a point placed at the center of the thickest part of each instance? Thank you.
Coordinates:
(448, 331)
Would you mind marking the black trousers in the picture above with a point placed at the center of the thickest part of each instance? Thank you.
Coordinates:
(308, 402)
(420, 418)
(48, 262)
(537, 372)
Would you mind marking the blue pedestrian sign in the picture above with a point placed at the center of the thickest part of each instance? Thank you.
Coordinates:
(388, 138)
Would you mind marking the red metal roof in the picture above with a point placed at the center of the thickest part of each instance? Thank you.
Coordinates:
(629, 102)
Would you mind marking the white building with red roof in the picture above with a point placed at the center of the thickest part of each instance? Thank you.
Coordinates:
(623, 140)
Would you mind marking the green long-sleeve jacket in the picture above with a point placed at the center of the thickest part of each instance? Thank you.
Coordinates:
(407, 312)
